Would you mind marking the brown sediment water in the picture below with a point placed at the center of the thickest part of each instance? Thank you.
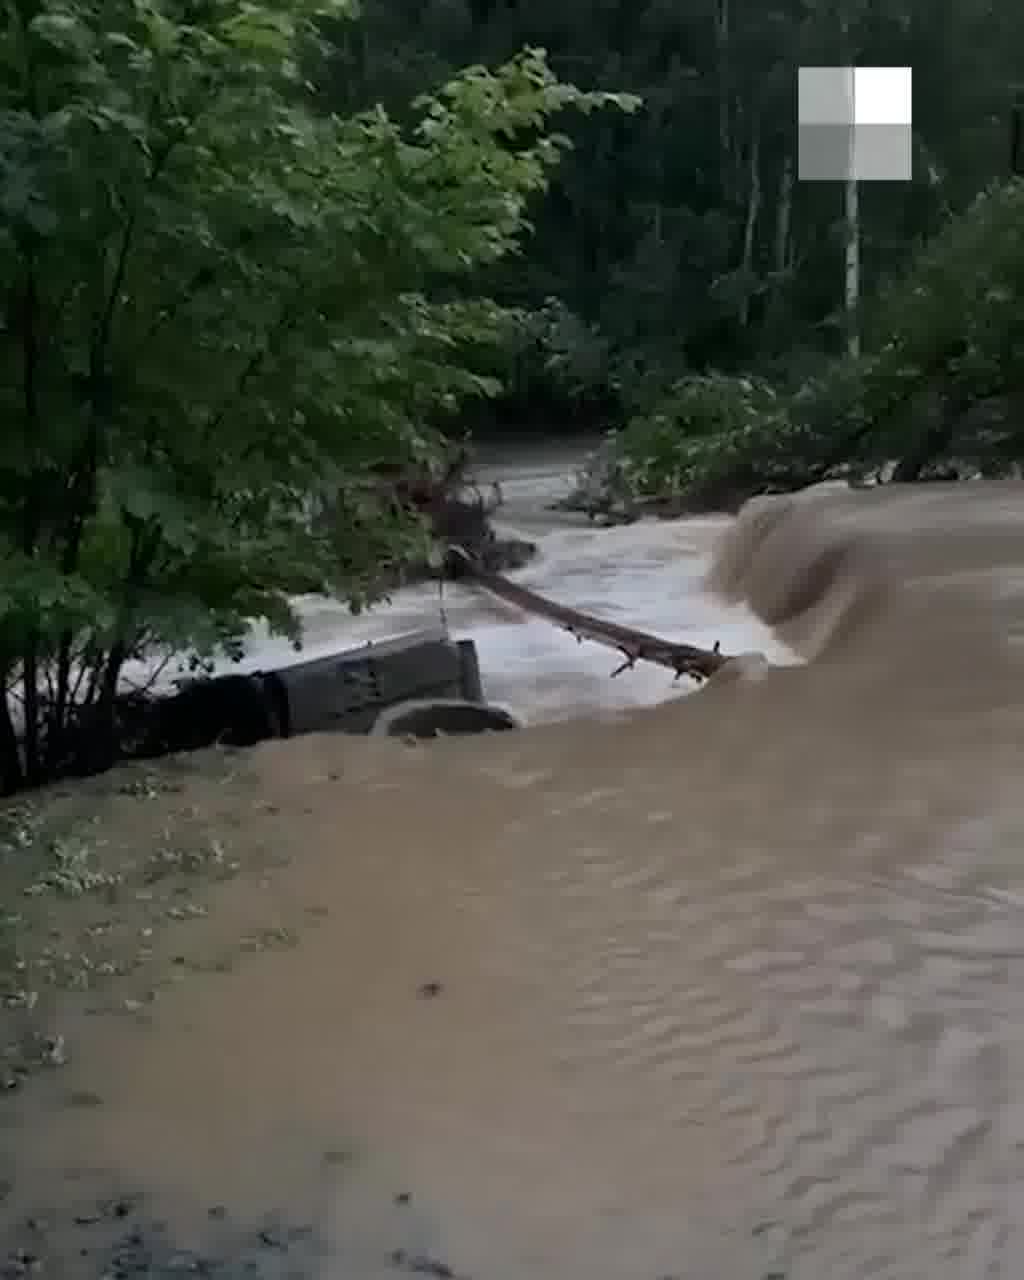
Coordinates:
(729, 988)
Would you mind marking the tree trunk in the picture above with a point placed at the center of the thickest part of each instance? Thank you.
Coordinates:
(634, 646)
(753, 209)
(12, 775)
(781, 260)
(851, 295)
(724, 97)
(851, 218)
(783, 219)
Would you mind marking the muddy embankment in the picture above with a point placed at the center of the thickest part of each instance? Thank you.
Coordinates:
(730, 987)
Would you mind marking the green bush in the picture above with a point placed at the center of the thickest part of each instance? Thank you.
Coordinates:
(941, 382)
(666, 453)
(219, 304)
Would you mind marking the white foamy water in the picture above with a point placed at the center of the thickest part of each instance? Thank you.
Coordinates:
(646, 575)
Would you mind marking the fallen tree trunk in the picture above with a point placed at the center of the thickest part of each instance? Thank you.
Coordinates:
(635, 646)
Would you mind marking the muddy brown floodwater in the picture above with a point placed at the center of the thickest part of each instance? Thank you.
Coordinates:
(729, 989)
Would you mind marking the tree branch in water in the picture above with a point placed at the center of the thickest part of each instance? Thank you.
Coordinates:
(635, 646)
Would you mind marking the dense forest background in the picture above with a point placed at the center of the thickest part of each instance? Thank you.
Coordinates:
(675, 239)
(262, 263)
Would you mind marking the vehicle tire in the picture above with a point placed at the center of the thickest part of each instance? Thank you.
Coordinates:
(441, 717)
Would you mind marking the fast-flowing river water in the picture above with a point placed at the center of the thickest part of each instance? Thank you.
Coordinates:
(728, 988)
(646, 575)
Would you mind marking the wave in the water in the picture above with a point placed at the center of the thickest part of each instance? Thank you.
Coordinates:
(814, 581)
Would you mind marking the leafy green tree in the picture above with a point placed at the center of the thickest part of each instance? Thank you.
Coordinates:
(221, 304)
(938, 390)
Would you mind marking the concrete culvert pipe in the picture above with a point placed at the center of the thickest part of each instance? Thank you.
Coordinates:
(438, 717)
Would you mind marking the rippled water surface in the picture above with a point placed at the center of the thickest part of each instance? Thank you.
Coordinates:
(727, 989)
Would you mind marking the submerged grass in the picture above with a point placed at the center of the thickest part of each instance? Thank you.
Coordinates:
(95, 875)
